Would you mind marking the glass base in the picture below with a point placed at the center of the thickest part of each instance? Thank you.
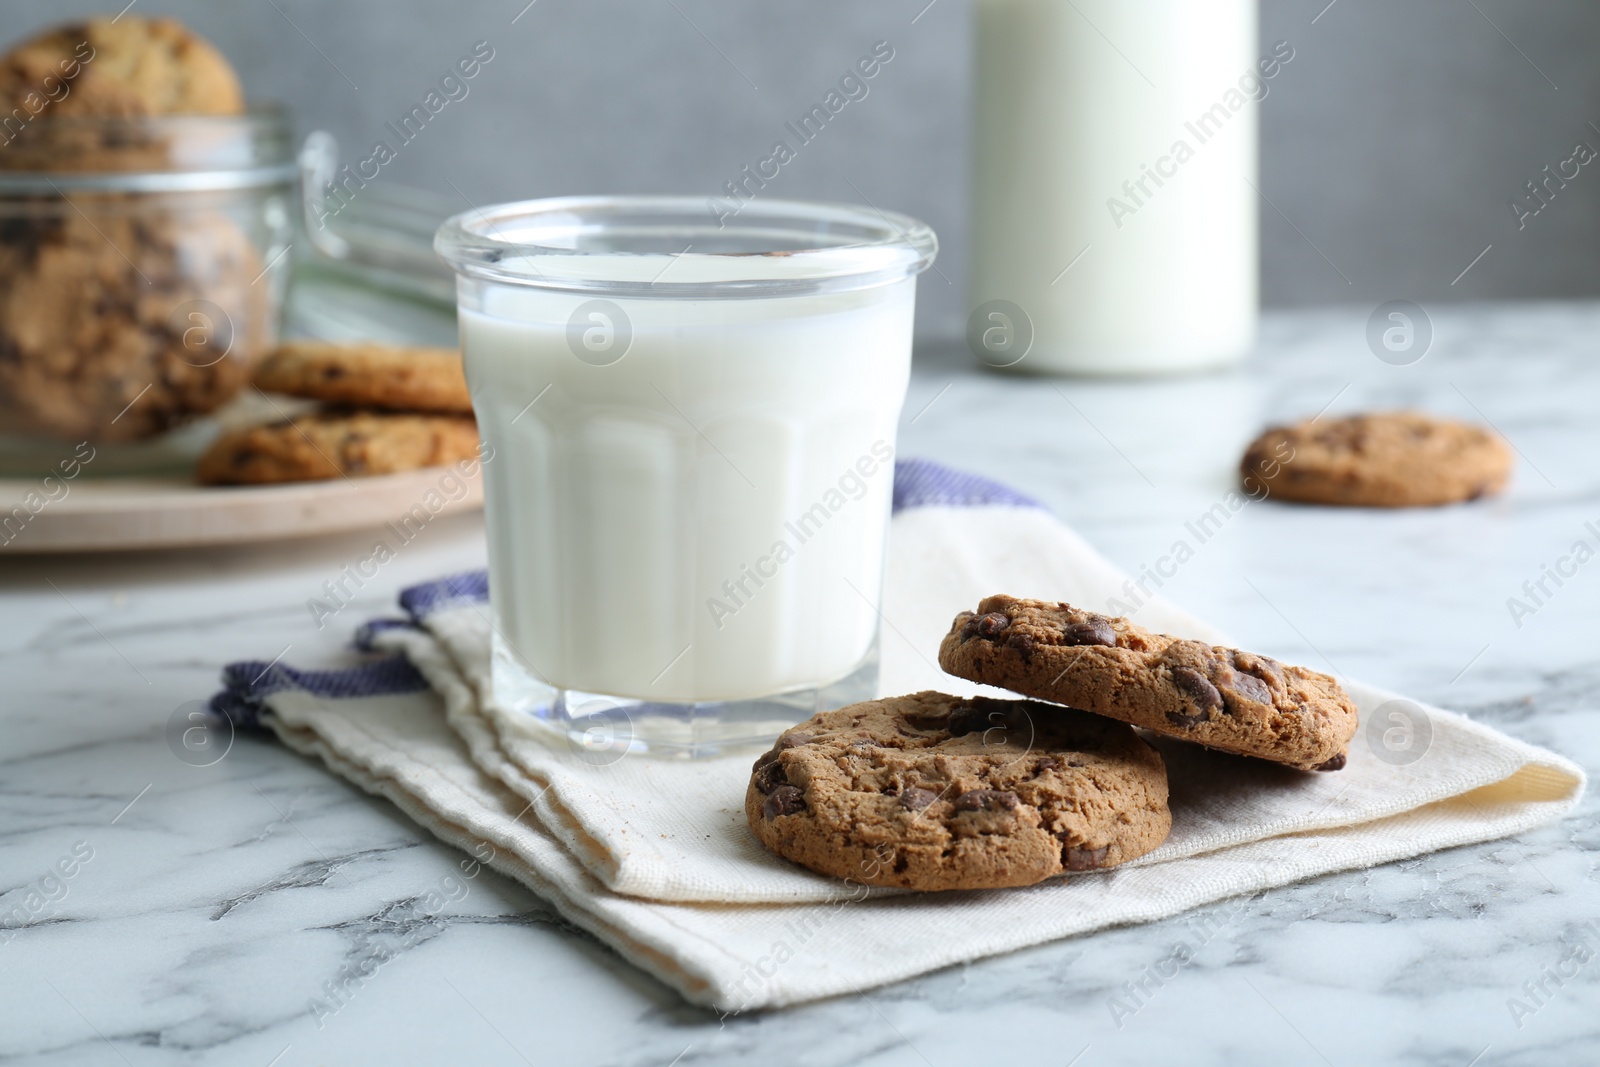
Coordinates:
(602, 729)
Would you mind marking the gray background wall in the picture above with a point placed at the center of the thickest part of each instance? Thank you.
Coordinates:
(1390, 146)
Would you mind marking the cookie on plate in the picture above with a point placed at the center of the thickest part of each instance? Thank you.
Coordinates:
(334, 444)
(367, 374)
(119, 68)
(1396, 459)
(1223, 698)
(930, 791)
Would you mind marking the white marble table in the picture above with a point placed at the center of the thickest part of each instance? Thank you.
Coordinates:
(216, 901)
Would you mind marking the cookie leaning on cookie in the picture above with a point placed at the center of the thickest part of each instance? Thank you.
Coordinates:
(1223, 698)
(930, 792)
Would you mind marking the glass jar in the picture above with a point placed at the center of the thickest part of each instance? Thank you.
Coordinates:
(691, 420)
(368, 270)
(142, 265)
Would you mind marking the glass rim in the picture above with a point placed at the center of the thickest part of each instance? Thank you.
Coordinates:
(864, 247)
(264, 113)
(265, 124)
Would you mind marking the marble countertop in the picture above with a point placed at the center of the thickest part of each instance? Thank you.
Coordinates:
(206, 907)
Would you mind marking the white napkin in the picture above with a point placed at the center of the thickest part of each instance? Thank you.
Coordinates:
(655, 859)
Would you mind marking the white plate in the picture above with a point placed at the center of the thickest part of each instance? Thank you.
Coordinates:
(98, 515)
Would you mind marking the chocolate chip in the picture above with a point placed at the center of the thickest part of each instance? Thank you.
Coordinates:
(785, 800)
(1083, 859)
(987, 626)
(794, 740)
(1263, 668)
(768, 773)
(987, 800)
(1198, 688)
(1022, 643)
(1094, 630)
(1251, 688)
(966, 718)
(1049, 763)
(1335, 764)
(922, 723)
(1266, 668)
(915, 799)
(1188, 721)
(985, 714)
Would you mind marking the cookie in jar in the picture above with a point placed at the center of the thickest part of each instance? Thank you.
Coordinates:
(143, 215)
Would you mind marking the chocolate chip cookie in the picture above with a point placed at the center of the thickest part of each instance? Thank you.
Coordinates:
(1396, 459)
(118, 325)
(368, 374)
(930, 791)
(334, 444)
(110, 301)
(1223, 698)
(123, 68)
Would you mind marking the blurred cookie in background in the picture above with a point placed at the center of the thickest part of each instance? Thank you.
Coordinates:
(334, 444)
(122, 327)
(120, 68)
(130, 306)
(368, 374)
(1395, 459)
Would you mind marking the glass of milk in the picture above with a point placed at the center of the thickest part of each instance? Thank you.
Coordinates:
(690, 410)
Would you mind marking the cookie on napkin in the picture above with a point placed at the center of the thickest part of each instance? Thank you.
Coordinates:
(930, 791)
(1223, 698)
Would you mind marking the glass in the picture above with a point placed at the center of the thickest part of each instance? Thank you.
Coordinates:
(142, 268)
(367, 269)
(689, 414)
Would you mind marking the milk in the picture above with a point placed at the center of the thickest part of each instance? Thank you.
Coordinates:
(703, 519)
(1126, 253)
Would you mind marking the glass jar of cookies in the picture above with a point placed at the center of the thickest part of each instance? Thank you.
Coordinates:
(142, 265)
